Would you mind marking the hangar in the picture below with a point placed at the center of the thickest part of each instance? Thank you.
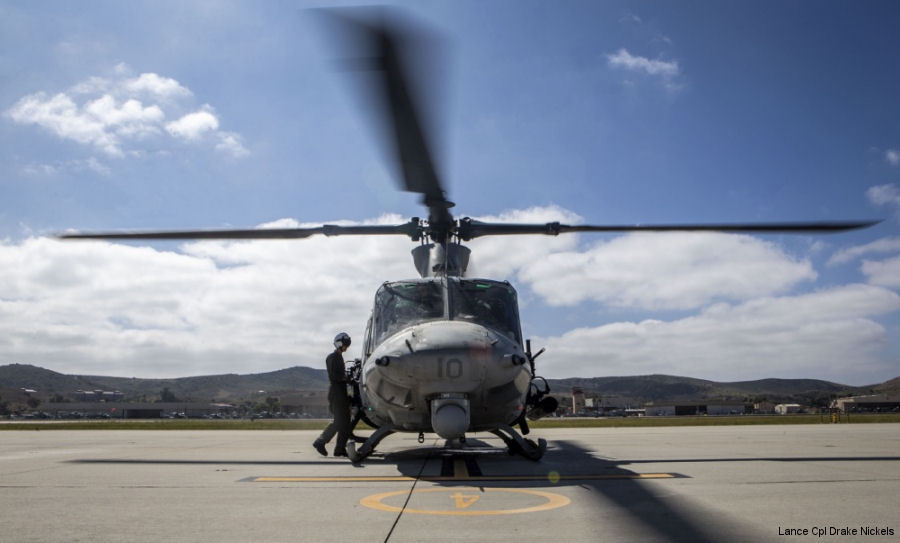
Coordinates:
(123, 410)
(877, 403)
(707, 408)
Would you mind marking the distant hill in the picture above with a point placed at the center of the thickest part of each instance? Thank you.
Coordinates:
(670, 388)
(227, 387)
(26, 376)
(891, 388)
(234, 388)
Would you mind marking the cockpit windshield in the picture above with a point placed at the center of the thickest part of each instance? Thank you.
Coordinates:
(402, 304)
(488, 303)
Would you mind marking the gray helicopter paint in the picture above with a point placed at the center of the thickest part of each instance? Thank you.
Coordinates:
(445, 357)
(433, 259)
(440, 363)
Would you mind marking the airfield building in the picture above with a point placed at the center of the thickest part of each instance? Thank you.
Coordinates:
(577, 400)
(787, 408)
(689, 409)
(128, 410)
(878, 403)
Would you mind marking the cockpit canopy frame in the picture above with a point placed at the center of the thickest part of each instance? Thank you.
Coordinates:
(401, 304)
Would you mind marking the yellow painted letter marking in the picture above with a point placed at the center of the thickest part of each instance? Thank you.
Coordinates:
(464, 500)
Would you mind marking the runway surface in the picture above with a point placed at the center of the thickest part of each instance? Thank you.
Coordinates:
(764, 483)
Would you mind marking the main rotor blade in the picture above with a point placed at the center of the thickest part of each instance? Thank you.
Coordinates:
(410, 229)
(387, 43)
(469, 229)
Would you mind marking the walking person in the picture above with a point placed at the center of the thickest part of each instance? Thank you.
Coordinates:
(338, 401)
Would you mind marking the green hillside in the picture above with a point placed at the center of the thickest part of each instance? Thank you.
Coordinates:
(234, 387)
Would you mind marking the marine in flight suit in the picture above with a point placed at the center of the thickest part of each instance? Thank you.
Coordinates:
(338, 401)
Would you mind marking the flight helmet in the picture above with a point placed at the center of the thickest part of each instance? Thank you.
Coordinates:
(341, 340)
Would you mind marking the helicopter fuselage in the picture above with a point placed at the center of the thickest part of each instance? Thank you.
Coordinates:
(445, 355)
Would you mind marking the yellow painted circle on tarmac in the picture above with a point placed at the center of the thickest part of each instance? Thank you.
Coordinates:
(552, 501)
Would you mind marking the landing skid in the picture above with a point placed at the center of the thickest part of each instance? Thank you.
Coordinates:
(369, 446)
(515, 443)
(520, 445)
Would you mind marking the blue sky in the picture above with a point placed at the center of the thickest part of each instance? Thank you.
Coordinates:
(230, 114)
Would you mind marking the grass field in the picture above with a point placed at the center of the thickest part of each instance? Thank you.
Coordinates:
(318, 424)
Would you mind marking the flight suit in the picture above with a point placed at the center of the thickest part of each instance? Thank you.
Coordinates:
(338, 403)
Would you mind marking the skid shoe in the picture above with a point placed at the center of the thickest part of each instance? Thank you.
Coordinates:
(368, 447)
(520, 445)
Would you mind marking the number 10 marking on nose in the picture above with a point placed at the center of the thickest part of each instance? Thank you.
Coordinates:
(450, 369)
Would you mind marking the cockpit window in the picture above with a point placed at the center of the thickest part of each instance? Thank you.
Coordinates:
(401, 304)
(487, 303)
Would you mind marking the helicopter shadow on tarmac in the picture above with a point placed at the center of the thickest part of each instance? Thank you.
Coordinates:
(651, 509)
(653, 512)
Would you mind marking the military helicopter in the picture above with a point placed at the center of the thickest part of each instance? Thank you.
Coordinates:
(442, 353)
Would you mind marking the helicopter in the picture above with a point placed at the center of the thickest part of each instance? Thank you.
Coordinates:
(442, 353)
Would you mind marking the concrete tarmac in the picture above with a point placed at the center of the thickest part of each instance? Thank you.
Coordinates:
(751, 483)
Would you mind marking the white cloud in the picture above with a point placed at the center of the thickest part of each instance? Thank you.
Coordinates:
(884, 194)
(664, 39)
(828, 334)
(892, 156)
(242, 306)
(666, 271)
(878, 272)
(193, 125)
(130, 118)
(667, 72)
(43, 170)
(93, 85)
(231, 144)
(213, 307)
(883, 272)
(40, 170)
(95, 165)
(164, 87)
(116, 114)
(505, 256)
(64, 118)
(103, 122)
(623, 59)
(883, 245)
(888, 195)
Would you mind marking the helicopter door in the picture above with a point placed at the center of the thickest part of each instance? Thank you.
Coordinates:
(367, 339)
